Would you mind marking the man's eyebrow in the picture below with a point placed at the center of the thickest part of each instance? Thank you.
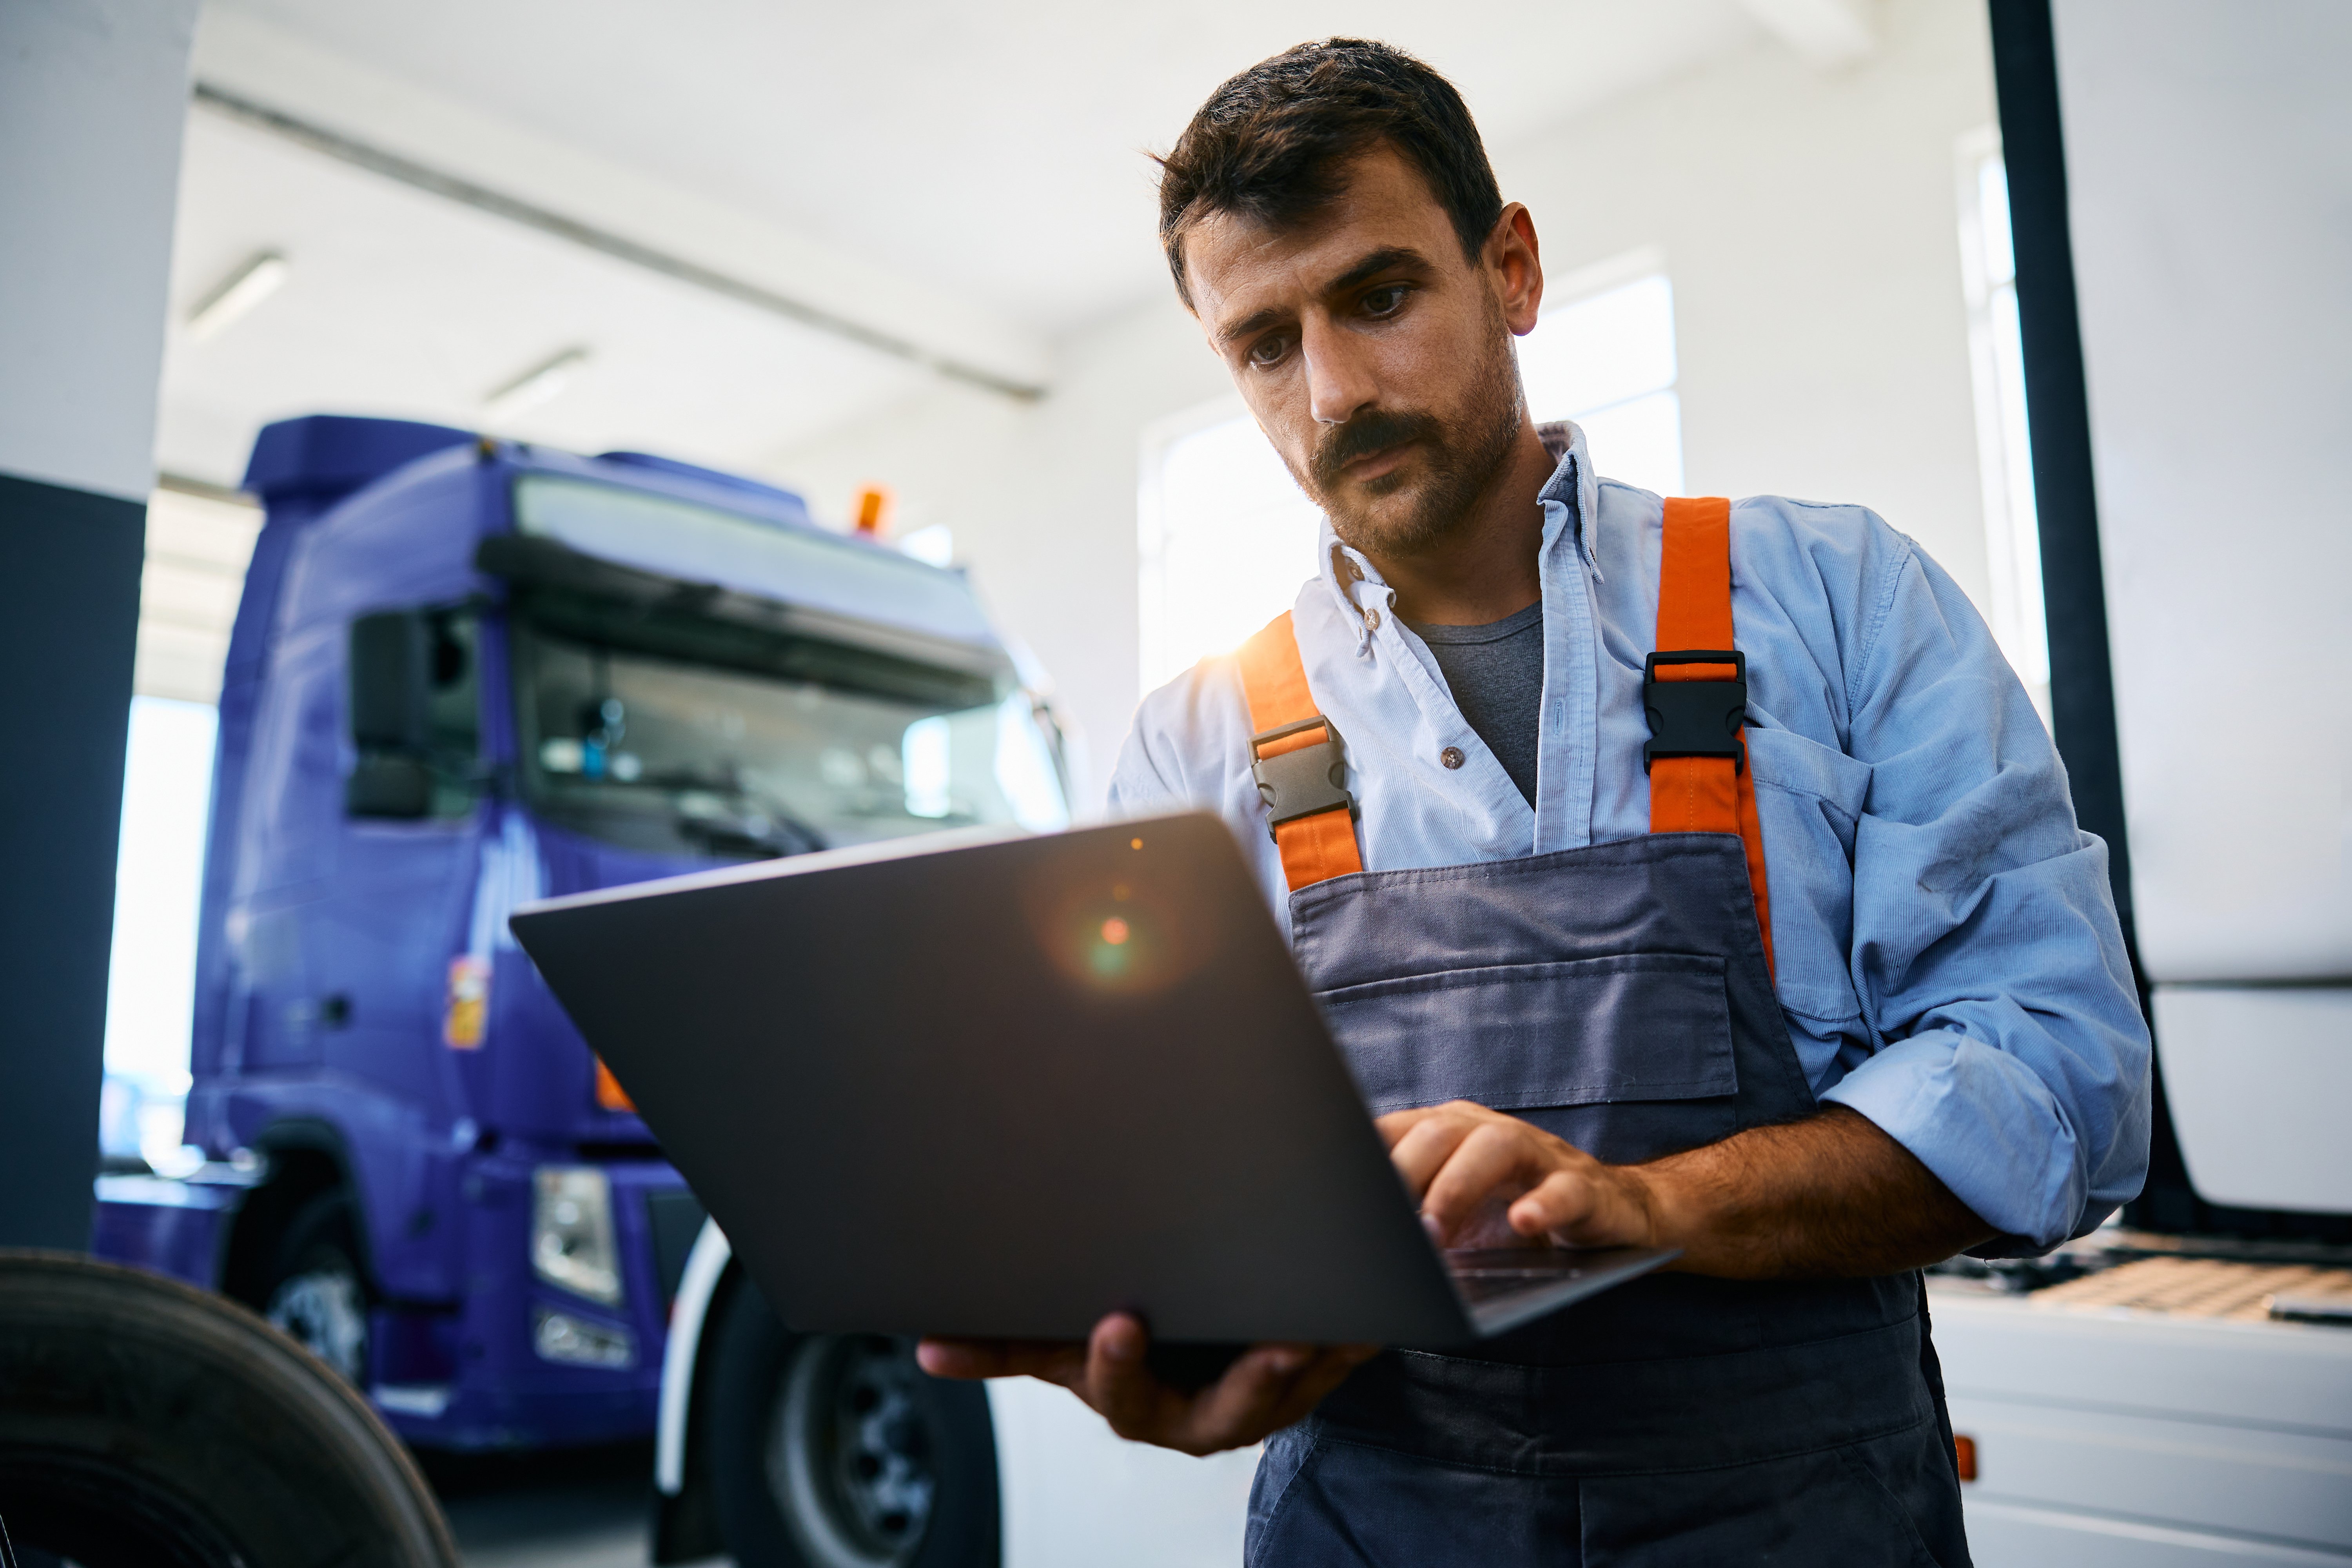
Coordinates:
(1388, 258)
(1249, 326)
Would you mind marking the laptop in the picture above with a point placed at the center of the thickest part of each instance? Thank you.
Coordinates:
(995, 1085)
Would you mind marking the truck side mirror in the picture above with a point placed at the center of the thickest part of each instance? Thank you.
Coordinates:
(390, 785)
(390, 683)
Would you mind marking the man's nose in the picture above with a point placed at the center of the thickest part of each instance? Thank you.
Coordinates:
(1339, 381)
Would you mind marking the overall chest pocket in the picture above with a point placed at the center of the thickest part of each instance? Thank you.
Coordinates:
(1627, 1056)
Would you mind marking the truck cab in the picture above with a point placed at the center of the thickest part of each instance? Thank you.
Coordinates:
(466, 673)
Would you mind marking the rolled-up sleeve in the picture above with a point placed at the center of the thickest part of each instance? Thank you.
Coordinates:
(1986, 946)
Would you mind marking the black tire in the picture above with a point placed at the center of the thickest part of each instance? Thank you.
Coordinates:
(145, 1422)
(316, 1292)
(836, 1451)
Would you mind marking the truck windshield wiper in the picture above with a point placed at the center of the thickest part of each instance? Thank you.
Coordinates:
(752, 825)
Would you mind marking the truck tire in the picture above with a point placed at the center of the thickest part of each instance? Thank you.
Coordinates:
(836, 1451)
(317, 1292)
(145, 1422)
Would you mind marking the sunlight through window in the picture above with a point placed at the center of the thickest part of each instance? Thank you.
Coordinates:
(2004, 451)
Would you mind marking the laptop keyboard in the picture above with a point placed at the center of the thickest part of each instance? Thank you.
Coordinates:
(1483, 1274)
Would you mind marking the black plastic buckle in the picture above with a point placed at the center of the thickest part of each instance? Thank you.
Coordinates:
(1303, 781)
(1694, 717)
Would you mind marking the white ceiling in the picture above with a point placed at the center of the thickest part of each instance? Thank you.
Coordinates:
(995, 147)
(971, 176)
(397, 302)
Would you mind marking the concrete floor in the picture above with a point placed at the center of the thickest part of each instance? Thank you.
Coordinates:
(583, 1508)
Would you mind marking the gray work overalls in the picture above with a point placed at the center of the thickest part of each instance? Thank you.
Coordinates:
(1618, 995)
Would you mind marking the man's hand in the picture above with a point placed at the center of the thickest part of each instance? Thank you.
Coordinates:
(1268, 1388)
(1485, 1179)
(1829, 1196)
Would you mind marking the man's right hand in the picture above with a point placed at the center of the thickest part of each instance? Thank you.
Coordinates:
(1266, 1389)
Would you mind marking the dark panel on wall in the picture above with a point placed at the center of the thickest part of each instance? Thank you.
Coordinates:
(70, 563)
(2073, 587)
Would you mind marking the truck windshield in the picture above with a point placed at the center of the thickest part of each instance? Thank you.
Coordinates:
(668, 756)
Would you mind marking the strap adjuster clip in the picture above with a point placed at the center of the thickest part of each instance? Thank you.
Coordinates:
(1305, 780)
(1695, 718)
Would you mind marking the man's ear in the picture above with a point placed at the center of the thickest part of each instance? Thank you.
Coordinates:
(1514, 262)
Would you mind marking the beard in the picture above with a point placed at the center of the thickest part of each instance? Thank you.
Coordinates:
(1464, 457)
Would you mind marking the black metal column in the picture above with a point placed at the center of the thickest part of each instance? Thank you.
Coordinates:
(69, 564)
(2073, 583)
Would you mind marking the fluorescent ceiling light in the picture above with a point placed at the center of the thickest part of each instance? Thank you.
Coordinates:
(240, 291)
(536, 385)
(1823, 33)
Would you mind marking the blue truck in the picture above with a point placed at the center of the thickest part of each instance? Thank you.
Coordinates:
(465, 673)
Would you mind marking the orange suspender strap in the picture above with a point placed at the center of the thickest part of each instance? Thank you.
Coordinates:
(1297, 758)
(1694, 689)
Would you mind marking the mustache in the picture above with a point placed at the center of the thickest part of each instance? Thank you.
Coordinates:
(1374, 430)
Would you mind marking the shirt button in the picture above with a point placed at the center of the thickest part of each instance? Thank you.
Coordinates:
(1451, 756)
(1372, 620)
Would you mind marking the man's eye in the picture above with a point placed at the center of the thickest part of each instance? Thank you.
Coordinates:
(1385, 302)
(1267, 350)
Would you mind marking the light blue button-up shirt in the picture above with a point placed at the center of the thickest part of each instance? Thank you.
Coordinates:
(1948, 957)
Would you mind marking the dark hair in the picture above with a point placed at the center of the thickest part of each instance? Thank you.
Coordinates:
(1273, 144)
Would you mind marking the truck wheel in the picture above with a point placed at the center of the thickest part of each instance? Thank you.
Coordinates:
(143, 1421)
(316, 1292)
(836, 1451)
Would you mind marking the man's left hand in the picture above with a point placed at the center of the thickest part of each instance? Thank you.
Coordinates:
(1270, 1386)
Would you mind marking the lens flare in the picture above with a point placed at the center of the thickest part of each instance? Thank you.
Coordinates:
(1114, 926)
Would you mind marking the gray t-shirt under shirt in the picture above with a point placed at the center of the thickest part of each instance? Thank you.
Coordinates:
(1495, 673)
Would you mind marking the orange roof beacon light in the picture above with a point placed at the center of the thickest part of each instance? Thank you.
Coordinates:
(610, 1095)
(872, 511)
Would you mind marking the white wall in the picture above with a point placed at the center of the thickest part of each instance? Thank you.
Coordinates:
(92, 97)
(1810, 224)
(2209, 171)
(1809, 221)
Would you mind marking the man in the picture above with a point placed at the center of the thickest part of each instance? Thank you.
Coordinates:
(1813, 977)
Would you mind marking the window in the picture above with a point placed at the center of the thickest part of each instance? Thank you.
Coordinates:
(1605, 358)
(677, 756)
(198, 540)
(1225, 537)
(159, 876)
(2004, 451)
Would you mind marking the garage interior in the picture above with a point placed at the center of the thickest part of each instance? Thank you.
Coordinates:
(2054, 287)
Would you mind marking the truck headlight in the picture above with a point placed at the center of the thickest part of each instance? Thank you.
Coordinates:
(563, 1337)
(572, 1232)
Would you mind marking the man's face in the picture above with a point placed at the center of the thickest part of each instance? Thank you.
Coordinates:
(1375, 355)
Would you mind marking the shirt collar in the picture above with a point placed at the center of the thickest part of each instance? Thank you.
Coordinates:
(1568, 497)
(1343, 570)
(1572, 494)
